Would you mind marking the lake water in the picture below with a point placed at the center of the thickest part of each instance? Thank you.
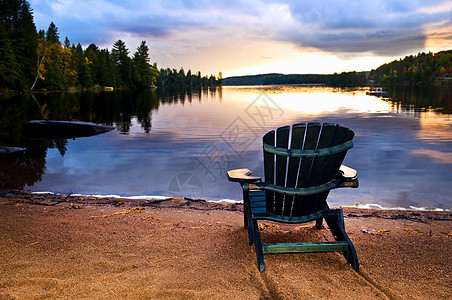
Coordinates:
(183, 144)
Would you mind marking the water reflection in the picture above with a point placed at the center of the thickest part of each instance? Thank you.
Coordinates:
(402, 147)
(123, 108)
(25, 169)
(116, 108)
(422, 98)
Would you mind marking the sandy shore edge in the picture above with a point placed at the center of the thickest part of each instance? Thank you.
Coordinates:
(75, 247)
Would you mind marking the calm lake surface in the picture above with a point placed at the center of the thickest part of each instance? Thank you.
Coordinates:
(183, 144)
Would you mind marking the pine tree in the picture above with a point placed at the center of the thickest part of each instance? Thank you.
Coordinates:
(91, 53)
(54, 61)
(107, 70)
(67, 44)
(10, 72)
(82, 67)
(120, 58)
(20, 34)
(52, 36)
(142, 75)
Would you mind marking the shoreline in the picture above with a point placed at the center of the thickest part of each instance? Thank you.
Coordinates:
(80, 247)
(232, 201)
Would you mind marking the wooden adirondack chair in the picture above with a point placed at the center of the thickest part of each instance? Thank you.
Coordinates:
(298, 177)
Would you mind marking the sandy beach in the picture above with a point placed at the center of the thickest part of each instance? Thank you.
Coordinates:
(68, 247)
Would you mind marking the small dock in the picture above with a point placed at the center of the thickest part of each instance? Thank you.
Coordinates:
(377, 92)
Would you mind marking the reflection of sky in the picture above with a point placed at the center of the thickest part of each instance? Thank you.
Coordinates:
(402, 160)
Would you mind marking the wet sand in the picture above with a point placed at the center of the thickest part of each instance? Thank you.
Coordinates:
(62, 247)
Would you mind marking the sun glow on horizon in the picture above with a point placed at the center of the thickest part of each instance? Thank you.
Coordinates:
(312, 62)
(311, 100)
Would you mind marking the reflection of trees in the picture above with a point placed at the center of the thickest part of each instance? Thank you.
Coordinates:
(422, 98)
(131, 103)
(61, 145)
(112, 108)
(118, 107)
(146, 101)
(19, 170)
(175, 97)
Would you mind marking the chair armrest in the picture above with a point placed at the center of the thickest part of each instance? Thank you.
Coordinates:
(350, 177)
(242, 176)
(348, 173)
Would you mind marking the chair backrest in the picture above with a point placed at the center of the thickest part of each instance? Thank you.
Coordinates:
(303, 156)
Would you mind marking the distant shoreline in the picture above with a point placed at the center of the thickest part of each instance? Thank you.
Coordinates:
(346, 79)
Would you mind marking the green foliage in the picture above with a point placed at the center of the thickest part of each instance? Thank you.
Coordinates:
(108, 73)
(10, 73)
(123, 63)
(177, 80)
(143, 75)
(81, 65)
(67, 44)
(425, 68)
(52, 36)
(19, 42)
(37, 60)
(56, 66)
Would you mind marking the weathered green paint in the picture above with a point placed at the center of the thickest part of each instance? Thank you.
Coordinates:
(298, 178)
(308, 153)
(304, 247)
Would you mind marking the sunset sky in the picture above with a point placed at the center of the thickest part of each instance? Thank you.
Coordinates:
(258, 36)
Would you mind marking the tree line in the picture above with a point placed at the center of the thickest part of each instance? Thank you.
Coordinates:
(421, 69)
(424, 68)
(337, 79)
(172, 79)
(62, 66)
(37, 60)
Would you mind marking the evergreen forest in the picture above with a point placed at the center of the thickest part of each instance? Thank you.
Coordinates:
(37, 60)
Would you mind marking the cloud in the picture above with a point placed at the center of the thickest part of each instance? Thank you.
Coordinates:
(380, 27)
(348, 29)
(100, 19)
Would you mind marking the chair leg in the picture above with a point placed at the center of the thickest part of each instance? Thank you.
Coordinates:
(318, 223)
(352, 257)
(251, 236)
(246, 204)
(245, 213)
(337, 227)
(258, 246)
